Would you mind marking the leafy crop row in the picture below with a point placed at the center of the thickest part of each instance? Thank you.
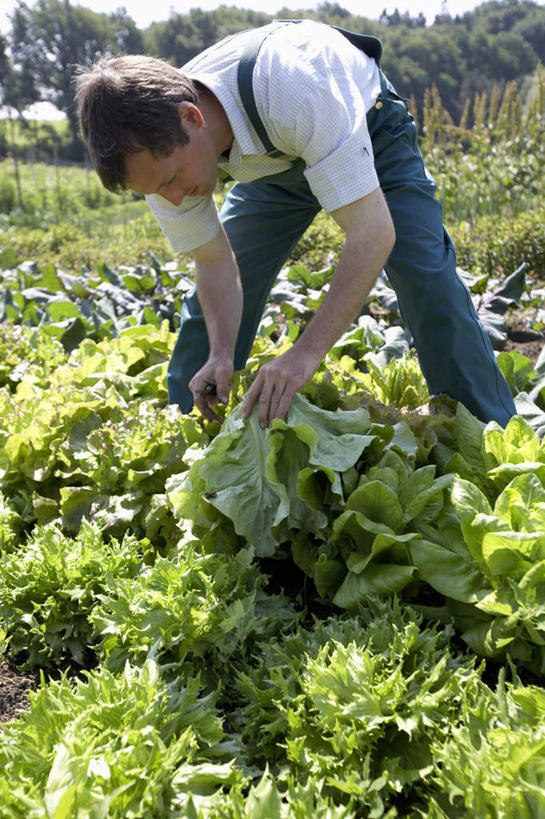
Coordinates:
(331, 617)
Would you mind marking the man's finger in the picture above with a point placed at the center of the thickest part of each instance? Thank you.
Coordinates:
(223, 388)
(270, 410)
(206, 410)
(251, 397)
(283, 404)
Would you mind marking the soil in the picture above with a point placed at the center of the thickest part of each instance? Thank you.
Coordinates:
(519, 337)
(15, 685)
(14, 691)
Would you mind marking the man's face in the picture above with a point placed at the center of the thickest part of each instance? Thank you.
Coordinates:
(190, 170)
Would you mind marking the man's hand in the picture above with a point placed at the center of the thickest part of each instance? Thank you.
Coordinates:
(210, 386)
(276, 383)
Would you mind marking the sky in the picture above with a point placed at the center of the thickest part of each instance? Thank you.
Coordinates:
(145, 12)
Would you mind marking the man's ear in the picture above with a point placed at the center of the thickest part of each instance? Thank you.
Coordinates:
(190, 116)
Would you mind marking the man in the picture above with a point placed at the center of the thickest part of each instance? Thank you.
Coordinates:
(301, 115)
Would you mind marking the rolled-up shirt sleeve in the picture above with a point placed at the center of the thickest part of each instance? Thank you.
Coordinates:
(344, 175)
(186, 226)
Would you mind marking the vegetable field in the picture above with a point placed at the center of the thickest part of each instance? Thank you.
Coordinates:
(342, 615)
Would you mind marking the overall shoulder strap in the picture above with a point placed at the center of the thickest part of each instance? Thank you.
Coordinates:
(246, 90)
(365, 42)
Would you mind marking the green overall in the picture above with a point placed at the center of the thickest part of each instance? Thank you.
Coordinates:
(265, 219)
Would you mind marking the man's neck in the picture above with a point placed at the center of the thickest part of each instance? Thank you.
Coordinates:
(216, 119)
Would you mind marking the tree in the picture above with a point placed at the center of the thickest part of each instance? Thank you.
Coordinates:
(532, 29)
(49, 39)
(5, 68)
(183, 36)
(405, 19)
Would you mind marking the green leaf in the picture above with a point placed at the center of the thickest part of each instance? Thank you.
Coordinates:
(475, 514)
(378, 502)
(251, 475)
(328, 575)
(358, 562)
(522, 504)
(448, 573)
(470, 440)
(236, 482)
(517, 443)
(517, 369)
(61, 310)
(508, 553)
(264, 801)
(7, 258)
(378, 579)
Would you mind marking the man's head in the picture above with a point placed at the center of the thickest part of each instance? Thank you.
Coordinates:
(127, 105)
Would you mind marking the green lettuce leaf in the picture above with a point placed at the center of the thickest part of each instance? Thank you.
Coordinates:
(252, 475)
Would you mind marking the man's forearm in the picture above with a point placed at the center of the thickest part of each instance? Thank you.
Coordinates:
(220, 296)
(364, 255)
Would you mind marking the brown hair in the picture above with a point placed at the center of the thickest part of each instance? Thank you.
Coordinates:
(126, 104)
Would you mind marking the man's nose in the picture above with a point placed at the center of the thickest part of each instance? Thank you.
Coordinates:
(174, 197)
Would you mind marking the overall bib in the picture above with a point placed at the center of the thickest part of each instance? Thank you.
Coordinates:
(265, 219)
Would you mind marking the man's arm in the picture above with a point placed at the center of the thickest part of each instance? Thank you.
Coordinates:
(220, 296)
(370, 237)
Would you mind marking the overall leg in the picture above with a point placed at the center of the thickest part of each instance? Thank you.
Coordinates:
(453, 348)
(263, 222)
